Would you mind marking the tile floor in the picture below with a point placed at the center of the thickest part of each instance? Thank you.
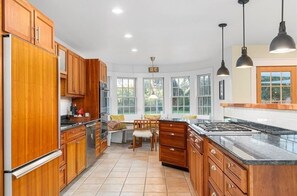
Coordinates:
(120, 171)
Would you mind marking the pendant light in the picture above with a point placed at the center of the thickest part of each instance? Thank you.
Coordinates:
(282, 43)
(223, 71)
(153, 95)
(244, 61)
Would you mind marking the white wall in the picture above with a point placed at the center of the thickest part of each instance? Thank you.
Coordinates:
(280, 118)
(65, 103)
(168, 71)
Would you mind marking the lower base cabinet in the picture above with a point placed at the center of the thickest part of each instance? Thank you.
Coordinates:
(62, 177)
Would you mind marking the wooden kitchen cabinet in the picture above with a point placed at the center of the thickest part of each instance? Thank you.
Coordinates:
(26, 22)
(76, 75)
(62, 54)
(173, 148)
(103, 72)
(76, 152)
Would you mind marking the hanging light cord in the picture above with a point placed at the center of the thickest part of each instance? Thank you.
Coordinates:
(243, 26)
(282, 10)
(222, 43)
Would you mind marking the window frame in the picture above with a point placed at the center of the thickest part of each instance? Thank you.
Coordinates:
(135, 95)
(163, 101)
(292, 69)
(199, 96)
(172, 96)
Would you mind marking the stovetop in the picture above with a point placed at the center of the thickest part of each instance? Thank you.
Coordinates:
(223, 128)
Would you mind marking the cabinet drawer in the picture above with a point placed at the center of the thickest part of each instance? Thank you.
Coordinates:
(216, 155)
(75, 133)
(173, 127)
(62, 138)
(174, 156)
(215, 175)
(62, 177)
(172, 139)
(198, 143)
(98, 151)
(62, 158)
(213, 192)
(98, 125)
(236, 173)
(103, 145)
(230, 189)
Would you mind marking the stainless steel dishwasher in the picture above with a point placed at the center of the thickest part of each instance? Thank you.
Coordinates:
(91, 143)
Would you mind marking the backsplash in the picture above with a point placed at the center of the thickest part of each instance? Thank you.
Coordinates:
(286, 119)
(65, 103)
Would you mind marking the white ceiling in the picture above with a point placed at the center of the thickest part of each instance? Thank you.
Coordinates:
(175, 31)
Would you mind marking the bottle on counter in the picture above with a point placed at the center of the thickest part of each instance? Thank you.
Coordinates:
(73, 109)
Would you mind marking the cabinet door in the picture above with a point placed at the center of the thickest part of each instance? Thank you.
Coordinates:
(62, 53)
(73, 73)
(193, 166)
(82, 81)
(62, 177)
(19, 19)
(71, 161)
(199, 173)
(44, 32)
(63, 156)
(81, 154)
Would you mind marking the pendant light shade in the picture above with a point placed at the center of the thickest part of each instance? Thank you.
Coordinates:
(223, 71)
(244, 60)
(282, 43)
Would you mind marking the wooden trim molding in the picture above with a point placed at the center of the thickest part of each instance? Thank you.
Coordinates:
(262, 106)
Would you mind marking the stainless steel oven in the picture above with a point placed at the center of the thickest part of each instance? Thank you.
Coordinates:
(104, 91)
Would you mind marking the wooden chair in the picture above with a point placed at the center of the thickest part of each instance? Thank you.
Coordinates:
(142, 129)
(155, 131)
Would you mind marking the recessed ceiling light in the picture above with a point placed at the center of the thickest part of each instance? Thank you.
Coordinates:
(134, 50)
(117, 10)
(128, 35)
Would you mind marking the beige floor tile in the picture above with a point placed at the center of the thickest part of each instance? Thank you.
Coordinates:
(178, 189)
(99, 174)
(156, 181)
(175, 180)
(111, 180)
(131, 194)
(155, 194)
(115, 174)
(110, 188)
(139, 181)
(155, 174)
(89, 187)
(180, 194)
(108, 193)
(121, 169)
(94, 180)
(137, 169)
(137, 174)
(133, 188)
(155, 188)
(84, 193)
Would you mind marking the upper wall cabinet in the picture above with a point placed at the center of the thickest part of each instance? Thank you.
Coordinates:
(103, 72)
(23, 20)
(76, 75)
(62, 54)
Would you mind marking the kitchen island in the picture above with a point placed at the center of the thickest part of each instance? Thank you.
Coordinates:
(256, 164)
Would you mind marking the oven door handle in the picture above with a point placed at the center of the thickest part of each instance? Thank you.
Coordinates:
(90, 125)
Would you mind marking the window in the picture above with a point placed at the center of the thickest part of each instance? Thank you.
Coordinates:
(276, 84)
(153, 105)
(180, 95)
(126, 93)
(204, 94)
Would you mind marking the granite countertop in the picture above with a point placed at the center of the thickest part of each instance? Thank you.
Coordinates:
(66, 127)
(260, 149)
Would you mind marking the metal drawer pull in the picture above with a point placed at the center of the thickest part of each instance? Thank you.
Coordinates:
(230, 165)
(213, 151)
(170, 125)
(213, 194)
(196, 140)
(190, 135)
(172, 149)
(213, 167)
(230, 186)
(172, 134)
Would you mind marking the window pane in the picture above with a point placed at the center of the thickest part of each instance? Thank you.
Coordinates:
(204, 94)
(275, 94)
(265, 78)
(153, 85)
(126, 95)
(286, 94)
(275, 78)
(265, 94)
(286, 78)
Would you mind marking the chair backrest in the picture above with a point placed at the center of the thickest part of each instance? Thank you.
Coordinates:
(154, 124)
(194, 116)
(152, 116)
(142, 125)
(117, 117)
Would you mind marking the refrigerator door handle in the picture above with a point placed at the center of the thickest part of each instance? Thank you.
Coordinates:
(36, 164)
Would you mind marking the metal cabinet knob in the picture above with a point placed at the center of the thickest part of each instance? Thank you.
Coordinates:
(172, 134)
(230, 165)
(230, 186)
(170, 125)
(172, 149)
(213, 167)
(213, 194)
(213, 151)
